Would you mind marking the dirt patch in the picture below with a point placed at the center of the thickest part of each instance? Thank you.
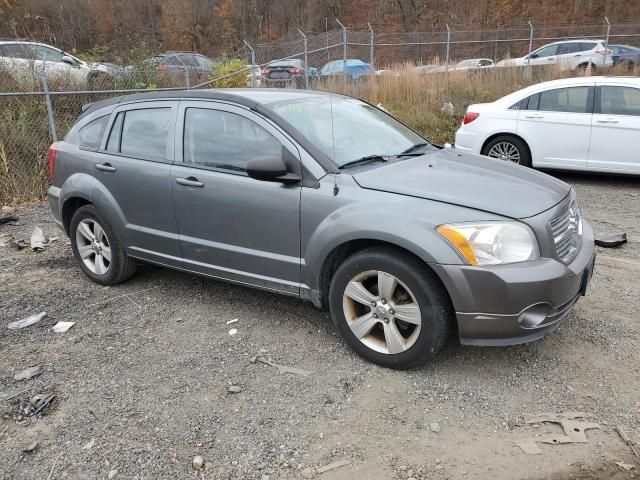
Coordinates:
(142, 379)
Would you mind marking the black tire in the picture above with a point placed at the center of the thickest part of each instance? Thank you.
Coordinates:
(521, 146)
(583, 67)
(121, 267)
(436, 312)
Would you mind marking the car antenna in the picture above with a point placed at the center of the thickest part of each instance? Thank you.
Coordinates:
(336, 189)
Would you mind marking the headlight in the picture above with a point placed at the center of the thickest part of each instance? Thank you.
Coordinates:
(491, 243)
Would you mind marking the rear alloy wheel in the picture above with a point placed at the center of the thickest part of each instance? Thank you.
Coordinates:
(508, 148)
(389, 309)
(98, 249)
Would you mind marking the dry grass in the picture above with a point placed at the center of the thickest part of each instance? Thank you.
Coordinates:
(418, 100)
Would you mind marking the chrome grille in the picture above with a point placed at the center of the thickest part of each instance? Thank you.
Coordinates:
(567, 230)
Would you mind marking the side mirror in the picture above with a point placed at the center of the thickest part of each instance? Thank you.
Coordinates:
(68, 59)
(534, 55)
(271, 169)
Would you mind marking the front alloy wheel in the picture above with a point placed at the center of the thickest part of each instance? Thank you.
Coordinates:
(381, 312)
(389, 307)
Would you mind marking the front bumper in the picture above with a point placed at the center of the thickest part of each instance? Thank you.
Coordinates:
(517, 303)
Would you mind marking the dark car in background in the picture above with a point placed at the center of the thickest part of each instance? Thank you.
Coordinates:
(174, 63)
(286, 72)
(625, 55)
(353, 68)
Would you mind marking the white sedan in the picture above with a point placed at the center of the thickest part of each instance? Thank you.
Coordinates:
(587, 123)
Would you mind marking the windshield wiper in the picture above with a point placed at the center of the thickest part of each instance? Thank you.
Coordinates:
(412, 150)
(364, 160)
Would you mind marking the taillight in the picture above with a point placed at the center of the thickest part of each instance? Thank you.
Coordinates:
(51, 159)
(295, 71)
(470, 117)
(604, 51)
(265, 71)
(164, 68)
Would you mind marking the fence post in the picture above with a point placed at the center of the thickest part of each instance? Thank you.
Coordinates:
(344, 51)
(47, 98)
(446, 65)
(371, 45)
(530, 42)
(253, 63)
(606, 42)
(187, 80)
(306, 60)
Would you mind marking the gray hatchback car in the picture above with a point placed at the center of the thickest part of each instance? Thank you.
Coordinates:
(329, 199)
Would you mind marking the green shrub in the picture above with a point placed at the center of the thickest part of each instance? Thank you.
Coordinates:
(228, 67)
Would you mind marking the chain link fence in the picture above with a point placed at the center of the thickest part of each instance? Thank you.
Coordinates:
(39, 108)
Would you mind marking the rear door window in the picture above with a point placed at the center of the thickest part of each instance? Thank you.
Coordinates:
(16, 50)
(569, 47)
(572, 100)
(585, 46)
(616, 100)
(141, 133)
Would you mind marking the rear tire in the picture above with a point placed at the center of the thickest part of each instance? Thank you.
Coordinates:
(508, 148)
(400, 288)
(98, 249)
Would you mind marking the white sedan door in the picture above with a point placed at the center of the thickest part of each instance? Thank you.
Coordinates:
(616, 129)
(557, 127)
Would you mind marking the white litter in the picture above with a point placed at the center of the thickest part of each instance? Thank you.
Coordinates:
(38, 240)
(25, 322)
(232, 321)
(62, 327)
(233, 331)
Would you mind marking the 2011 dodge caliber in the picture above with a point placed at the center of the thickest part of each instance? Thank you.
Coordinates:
(326, 198)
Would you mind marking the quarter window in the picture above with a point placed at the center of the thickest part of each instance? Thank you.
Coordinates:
(141, 134)
(573, 100)
(217, 139)
(620, 100)
(91, 134)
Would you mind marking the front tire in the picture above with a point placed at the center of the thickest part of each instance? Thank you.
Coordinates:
(509, 148)
(389, 309)
(98, 249)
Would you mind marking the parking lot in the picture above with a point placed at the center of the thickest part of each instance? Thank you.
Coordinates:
(142, 379)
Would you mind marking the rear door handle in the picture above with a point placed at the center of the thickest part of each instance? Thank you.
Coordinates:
(105, 167)
(190, 182)
(533, 115)
(607, 120)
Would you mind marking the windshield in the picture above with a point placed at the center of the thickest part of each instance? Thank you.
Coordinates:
(346, 129)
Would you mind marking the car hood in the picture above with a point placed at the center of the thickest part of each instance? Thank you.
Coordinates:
(468, 180)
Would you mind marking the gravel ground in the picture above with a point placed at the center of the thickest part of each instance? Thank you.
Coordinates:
(142, 379)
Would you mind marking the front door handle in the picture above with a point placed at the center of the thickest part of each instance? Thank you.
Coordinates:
(607, 120)
(533, 115)
(190, 182)
(105, 167)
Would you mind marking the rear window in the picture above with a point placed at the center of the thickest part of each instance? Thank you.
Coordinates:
(141, 134)
(584, 46)
(90, 135)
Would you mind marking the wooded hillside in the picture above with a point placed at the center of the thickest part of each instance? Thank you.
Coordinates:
(215, 26)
